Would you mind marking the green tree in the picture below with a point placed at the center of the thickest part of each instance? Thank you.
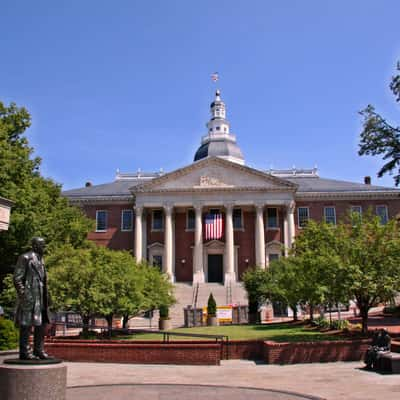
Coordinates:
(287, 283)
(39, 209)
(379, 137)
(370, 254)
(158, 290)
(258, 285)
(8, 296)
(211, 306)
(316, 252)
(96, 281)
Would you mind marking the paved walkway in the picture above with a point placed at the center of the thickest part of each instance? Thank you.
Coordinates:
(178, 392)
(331, 381)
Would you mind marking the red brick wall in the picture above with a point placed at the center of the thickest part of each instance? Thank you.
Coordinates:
(343, 207)
(140, 353)
(183, 249)
(307, 352)
(243, 350)
(114, 238)
(208, 352)
(246, 242)
(395, 346)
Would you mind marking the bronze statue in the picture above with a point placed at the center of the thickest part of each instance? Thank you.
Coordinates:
(32, 306)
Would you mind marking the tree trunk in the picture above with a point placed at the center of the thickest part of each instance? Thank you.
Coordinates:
(294, 309)
(85, 328)
(364, 317)
(311, 312)
(109, 319)
(125, 320)
(339, 312)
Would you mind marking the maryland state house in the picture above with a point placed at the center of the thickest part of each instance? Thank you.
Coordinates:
(209, 221)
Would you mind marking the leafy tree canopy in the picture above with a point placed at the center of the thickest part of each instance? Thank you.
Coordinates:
(379, 137)
(39, 209)
(96, 281)
(330, 264)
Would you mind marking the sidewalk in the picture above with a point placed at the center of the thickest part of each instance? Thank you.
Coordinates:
(331, 381)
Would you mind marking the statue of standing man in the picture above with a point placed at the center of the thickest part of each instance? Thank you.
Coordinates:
(32, 307)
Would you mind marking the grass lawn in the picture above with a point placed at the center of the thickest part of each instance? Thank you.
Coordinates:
(282, 332)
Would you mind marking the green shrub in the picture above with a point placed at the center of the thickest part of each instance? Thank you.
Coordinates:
(357, 327)
(8, 335)
(340, 324)
(321, 322)
(164, 311)
(211, 306)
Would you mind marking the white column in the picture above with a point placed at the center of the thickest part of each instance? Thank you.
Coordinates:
(229, 246)
(198, 266)
(286, 234)
(144, 235)
(260, 236)
(290, 222)
(138, 233)
(168, 242)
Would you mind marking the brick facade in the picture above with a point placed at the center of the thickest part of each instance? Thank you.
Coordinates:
(244, 238)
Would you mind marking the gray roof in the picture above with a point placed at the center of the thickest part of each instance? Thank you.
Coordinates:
(220, 147)
(118, 188)
(317, 184)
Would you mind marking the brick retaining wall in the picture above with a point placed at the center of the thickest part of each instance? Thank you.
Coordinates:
(138, 353)
(307, 352)
(208, 352)
(395, 346)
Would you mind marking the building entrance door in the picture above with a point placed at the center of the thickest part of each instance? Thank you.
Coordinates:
(215, 268)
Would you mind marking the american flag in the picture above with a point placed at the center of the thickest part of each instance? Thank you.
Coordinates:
(214, 76)
(213, 226)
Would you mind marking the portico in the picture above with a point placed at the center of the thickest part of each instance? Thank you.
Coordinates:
(213, 184)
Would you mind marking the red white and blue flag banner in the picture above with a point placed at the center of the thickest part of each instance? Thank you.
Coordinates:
(213, 226)
(214, 76)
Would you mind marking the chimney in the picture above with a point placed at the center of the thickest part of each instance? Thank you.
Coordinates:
(87, 184)
(367, 180)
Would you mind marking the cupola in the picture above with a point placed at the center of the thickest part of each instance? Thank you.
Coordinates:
(219, 142)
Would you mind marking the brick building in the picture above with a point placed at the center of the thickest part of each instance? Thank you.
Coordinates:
(161, 216)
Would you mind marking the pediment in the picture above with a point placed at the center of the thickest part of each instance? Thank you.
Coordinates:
(215, 174)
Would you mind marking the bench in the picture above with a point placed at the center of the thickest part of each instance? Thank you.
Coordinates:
(389, 362)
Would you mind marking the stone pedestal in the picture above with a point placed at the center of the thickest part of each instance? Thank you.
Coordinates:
(33, 382)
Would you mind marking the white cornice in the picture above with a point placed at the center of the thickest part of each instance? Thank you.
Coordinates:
(102, 200)
(370, 195)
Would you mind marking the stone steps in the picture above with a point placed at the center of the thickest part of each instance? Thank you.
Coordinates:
(184, 295)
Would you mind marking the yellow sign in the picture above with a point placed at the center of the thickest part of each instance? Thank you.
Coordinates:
(224, 313)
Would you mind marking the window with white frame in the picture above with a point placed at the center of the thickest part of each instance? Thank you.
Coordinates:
(237, 218)
(101, 220)
(126, 220)
(303, 215)
(157, 220)
(190, 220)
(330, 215)
(382, 213)
(272, 217)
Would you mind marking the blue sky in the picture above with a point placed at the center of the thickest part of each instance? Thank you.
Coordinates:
(126, 84)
